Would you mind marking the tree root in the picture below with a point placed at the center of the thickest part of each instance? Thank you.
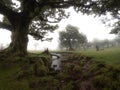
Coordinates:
(9, 53)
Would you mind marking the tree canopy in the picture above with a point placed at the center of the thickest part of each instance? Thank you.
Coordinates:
(35, 17)
(70, 38)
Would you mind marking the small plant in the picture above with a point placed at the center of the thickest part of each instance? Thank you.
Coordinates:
(108, 80)
(48, 83)
(68, 86)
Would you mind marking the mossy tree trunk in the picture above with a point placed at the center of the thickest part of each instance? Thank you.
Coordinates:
(18, 23)
(19, 40)
(19, 36)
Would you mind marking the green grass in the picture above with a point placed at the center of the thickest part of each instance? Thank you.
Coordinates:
(8, 71)
(108, 55)
(8, 79)
(16, 73)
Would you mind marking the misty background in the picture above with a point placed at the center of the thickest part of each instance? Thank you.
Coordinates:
(91, 26)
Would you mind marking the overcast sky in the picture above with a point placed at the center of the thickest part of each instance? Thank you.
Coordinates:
(92, 27)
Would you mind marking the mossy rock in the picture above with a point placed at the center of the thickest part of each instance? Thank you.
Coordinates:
(108, 79)
(48, 83)
(62, 76)
(77, 69)
(68, 67)
(40, 70)
(41, 59)
(103, 82)
(47, 61)
(68, 86)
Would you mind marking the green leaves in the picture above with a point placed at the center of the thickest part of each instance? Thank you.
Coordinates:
(71, 38)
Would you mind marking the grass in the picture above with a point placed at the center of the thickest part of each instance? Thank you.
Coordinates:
(11, 71)
(108, 77)
(8, 81)
(108, 55)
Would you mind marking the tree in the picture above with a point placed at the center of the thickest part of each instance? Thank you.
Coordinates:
(103, 7)
(83, 41)
(70, 38)
(105, 43)
(117, 39)
(116, 28)
(34, 17)
(35, 45)
(1, 47)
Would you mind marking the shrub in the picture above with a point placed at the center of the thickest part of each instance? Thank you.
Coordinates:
(48, 83)
(68, 86)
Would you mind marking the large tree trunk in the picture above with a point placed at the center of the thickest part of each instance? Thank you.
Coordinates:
(19, 40)
(19, 37)
(18, 45)
(70, 45)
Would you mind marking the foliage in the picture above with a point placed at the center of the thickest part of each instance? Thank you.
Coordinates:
(22, 19)
(68, 86)
(117, 39)
(71, 38)
(108, 80)
(103, 76)
(39, 16)
(7, 78)
(48, 82)
(111, 7)
(76, 73)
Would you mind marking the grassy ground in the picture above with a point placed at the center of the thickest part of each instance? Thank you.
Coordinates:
(108, 55)
(76, 72)
(8, 79)
(13, 69)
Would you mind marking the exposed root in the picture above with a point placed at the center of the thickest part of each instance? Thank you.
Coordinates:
(9, 53)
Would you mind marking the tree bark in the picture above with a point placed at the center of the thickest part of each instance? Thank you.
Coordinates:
(19, 40)
(19, 23)
(19, 37)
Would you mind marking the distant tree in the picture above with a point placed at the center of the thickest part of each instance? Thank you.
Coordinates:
(117, 39)
(70, 38)
(1, 47)
(102, 44)
(112, 43)
(36, 44)
(89, 45)
(83, 41)
(105, 43)
(96, 43)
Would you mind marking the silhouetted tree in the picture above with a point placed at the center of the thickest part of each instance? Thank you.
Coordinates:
(1, 47)
(34, 17)
(71, 39)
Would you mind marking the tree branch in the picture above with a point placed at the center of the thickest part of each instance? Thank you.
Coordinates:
(38, 36)
(65, 4)
(5, 26)
(9, 13)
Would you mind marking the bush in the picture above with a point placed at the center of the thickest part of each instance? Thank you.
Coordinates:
(40, 70)
(48, 83)
(109, 80)
(68, 86)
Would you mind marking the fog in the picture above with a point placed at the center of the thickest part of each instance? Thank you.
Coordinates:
(92, 27)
